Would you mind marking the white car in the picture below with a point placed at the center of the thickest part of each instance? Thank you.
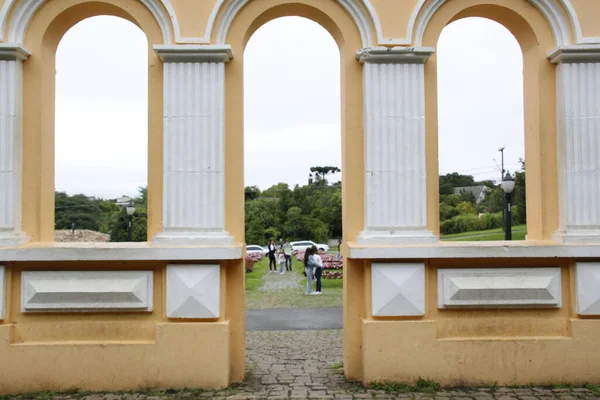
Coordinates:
(305, 244)
(254, 248)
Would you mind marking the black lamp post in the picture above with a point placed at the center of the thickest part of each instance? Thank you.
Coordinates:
(130, 211)
(508, 185)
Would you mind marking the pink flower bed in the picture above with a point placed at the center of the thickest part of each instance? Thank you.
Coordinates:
(332, 266)
(252, 259)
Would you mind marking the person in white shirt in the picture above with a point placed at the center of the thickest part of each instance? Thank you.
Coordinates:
(317, 262)
(281, 262)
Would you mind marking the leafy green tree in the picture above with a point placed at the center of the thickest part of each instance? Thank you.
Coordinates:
(320, 173)
(119, 222)
(466, 208)
(519, 195)
(447, 211)
(468, 196)
(251, 193)
(84, 211)
(457, 180)
(446, 188)
(493, 202)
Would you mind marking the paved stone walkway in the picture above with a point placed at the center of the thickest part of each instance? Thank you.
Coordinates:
(277, 281)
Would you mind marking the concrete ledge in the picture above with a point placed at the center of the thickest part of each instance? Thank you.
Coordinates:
(51, 251)
(499, 249)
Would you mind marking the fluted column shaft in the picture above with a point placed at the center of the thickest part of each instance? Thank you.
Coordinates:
(11, 147)
(578, 124)
(394, 137)
(194, 153)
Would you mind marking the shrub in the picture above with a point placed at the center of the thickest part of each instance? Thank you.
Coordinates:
(470, 223)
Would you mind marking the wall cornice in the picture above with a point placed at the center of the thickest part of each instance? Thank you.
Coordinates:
(194, 53)
(395, 55)
(11, 52)
(588, 53)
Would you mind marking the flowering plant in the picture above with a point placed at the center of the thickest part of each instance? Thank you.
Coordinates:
(252, 259)
(332, 265)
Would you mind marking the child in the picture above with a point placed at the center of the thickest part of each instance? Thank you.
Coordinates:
(281, 262)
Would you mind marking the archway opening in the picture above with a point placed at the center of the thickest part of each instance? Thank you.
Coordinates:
(101, 132)
(480, 131)
(293, 194)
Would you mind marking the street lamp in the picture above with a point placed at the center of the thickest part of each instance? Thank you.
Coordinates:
(508, 185)
(130, 211)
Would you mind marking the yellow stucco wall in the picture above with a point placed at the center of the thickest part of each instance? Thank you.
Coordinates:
(193, 16)
(452, 347)
(113, 351)
(588, 20)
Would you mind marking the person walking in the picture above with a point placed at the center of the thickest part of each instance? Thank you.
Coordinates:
(316, 260)
(281, 262)
(308, 270)
(287, 251)
(272, 264)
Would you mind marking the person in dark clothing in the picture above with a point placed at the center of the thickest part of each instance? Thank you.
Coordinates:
(315, 260)
(272, 261)
(308, 270)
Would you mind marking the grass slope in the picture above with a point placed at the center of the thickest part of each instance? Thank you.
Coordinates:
(518, 233)
(289, 298)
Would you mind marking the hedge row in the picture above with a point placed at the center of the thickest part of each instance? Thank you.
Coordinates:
(470, 223)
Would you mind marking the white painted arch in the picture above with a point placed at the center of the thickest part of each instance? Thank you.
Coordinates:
(551, 9)
(560, 14)
(363, 20)
(26, 9)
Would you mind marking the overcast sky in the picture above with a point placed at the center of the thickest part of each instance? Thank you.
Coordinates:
(292, 103)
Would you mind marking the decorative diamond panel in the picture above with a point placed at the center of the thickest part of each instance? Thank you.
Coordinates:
(193, 291)
(398, 289)
(587, 279)
(2, 294)
(86, 291)
(499, 287)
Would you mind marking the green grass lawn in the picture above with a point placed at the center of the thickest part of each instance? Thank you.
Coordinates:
(518, 233)
(255, 279)
(332, 290)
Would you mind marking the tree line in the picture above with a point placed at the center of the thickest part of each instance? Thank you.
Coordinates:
(101, 215)
(461, 212)
(308, 212)
(312, 211)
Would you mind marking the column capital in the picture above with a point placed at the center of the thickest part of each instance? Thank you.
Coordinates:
(580, 53)
(194, 53)
(13, 52)
(394, 55)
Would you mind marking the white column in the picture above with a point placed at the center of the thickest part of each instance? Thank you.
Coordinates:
(194, 145)
(578, 129)
(394, 141)
(11, 148)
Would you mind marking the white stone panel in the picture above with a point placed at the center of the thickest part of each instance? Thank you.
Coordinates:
(499, 287)
(394, 146)
(398, 289)
(587, 280)
(11, 116)
(194, 146)
(193, 290)
(2, 292)
(578, 125)
(67, 291)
